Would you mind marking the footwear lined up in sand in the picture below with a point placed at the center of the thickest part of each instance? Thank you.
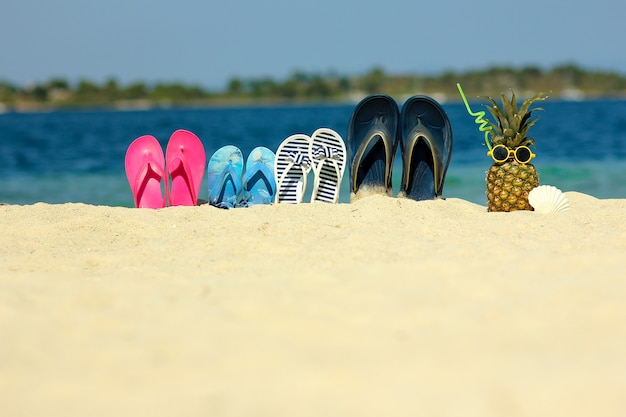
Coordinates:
(417, 305)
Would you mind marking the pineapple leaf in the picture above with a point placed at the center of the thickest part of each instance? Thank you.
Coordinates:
(527, 141)
(507, 108)
(511, 112)
(513, 102)
(528, 125)
(528, 102)
(517, 122)
(525, 119)
(497, 116)
(511, 124)
(497, 139)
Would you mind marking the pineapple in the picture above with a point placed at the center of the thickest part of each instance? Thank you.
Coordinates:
(509, 181)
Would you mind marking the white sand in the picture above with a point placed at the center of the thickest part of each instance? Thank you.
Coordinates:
(383, 307)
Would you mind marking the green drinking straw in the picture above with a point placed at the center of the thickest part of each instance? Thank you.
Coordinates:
(484, 124)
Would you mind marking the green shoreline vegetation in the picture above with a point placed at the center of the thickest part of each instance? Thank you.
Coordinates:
(567, 81)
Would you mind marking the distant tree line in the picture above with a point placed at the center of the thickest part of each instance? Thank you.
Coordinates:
(300, 86)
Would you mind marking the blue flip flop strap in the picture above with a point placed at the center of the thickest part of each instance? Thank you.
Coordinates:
(269, 175)
(227, 172)
(378, 130)
(422, 132)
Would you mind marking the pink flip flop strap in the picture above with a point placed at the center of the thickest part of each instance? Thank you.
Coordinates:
(188, 177)
(141, 178)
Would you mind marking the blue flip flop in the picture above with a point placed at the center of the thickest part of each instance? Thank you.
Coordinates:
(259, 185)
(224, 177)
(426, 148)
(371, 145)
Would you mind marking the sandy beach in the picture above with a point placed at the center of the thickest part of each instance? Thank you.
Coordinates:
(382, 307)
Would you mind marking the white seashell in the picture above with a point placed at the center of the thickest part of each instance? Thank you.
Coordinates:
(548, 199)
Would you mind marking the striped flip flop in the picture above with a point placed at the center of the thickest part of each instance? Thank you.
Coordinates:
(292, 165)
(328, 153)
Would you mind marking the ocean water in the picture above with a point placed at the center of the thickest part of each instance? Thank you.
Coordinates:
(78, 156)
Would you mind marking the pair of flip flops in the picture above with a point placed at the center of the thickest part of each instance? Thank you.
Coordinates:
(324, 152)
(422, 131)
(180, 170)
(229, 187)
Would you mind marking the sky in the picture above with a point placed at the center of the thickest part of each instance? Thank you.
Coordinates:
(209, 42)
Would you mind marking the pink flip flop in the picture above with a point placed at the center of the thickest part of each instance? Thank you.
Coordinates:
(145, 166)
(185, 163)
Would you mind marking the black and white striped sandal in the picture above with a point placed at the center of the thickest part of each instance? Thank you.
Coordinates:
(291, 167)
(328, 154)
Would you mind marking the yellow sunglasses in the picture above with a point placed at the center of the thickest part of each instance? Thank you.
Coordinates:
(501, 153)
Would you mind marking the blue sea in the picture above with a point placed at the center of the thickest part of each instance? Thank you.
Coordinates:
(78, 156)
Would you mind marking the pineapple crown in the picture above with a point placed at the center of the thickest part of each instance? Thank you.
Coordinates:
(512, 124)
